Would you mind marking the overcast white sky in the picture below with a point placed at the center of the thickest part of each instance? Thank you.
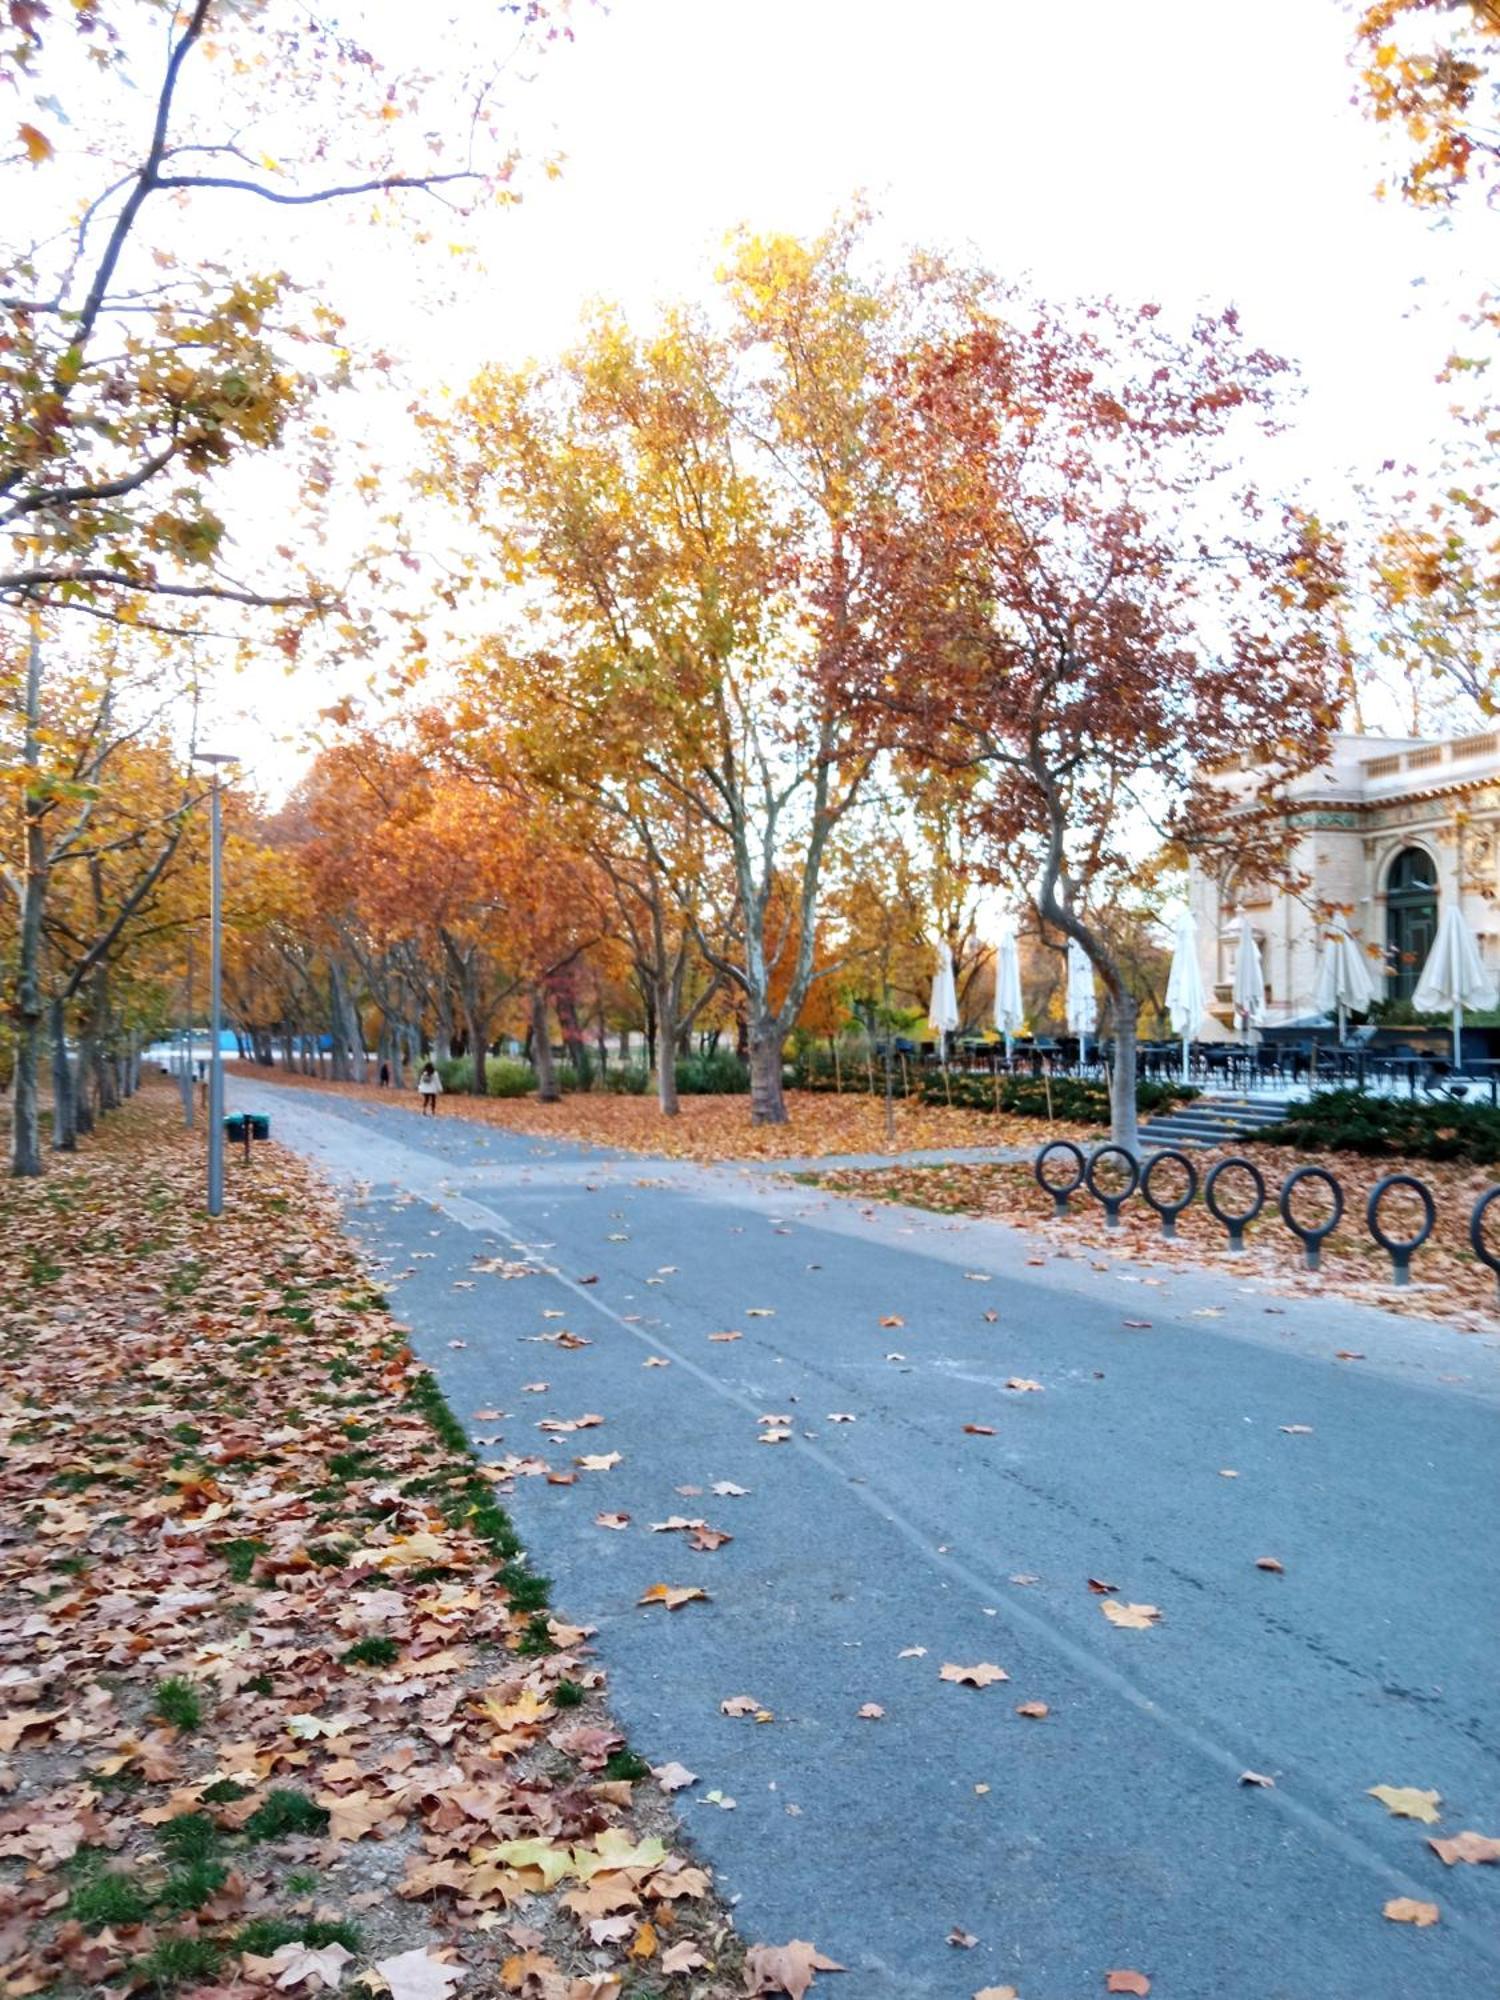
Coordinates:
(1179, 150)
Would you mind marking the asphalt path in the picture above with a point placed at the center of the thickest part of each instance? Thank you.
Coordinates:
(880, 1541)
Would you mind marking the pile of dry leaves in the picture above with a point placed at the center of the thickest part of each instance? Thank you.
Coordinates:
(283, 1707)
(1447, 1280)
(718, 1128)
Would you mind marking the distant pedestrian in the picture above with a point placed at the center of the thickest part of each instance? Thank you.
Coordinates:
(429, 1089)
(385, 1075)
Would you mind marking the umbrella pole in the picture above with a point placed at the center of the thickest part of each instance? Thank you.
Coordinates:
(1341, 1024)
(1458, 1034)
(1184, 1058)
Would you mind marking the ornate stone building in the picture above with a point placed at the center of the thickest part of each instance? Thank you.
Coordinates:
(1389, 831)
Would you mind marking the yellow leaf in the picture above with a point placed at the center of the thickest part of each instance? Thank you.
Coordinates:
(38, 145)
(1408, 1803)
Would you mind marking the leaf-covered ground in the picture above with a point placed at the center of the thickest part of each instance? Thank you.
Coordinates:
(1447, 1281)
(719, 1128)
(283, 1706)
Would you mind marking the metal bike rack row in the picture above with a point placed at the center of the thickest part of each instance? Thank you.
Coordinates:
(1142, 1180)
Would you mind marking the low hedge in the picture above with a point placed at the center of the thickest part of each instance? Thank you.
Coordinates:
(1067, 1097)
(1347, 1121)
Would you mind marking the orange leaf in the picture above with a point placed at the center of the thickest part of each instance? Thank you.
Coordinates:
(1126, 1982)
(1407, 1910)
(38, 145)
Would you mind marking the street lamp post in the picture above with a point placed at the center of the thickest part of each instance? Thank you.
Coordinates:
(215, 993)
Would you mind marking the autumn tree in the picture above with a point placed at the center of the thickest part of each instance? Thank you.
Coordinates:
(138, 364)
(1428, 68)
(1091, 607)
(686, 504)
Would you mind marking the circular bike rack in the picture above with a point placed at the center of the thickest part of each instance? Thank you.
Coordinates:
(1235, 1223)
(1400, 1254)
(1480, 1248)
(1059, 1193)
(1311, 1239)
(1169, 1211)
(1112, 1203)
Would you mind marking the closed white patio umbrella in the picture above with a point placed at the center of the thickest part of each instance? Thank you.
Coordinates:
(1249, 977)
(1454, 976)
(1010, 1011)
(1345, 981)
(942, 1009)
(1186, 997)
(1083, 1008)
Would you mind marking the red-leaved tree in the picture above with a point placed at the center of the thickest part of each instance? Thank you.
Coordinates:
(1092, 607)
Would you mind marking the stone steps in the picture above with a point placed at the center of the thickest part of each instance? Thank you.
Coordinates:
(1210, 1121)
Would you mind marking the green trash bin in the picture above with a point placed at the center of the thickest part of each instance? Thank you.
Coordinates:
(240, 1127)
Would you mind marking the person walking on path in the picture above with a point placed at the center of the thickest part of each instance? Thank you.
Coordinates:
(430, 1089)
(385, 1076)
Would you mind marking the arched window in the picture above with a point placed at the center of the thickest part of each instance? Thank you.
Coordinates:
(1411, 914)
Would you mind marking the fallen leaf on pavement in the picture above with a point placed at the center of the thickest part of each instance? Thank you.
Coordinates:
(1137, 1323)
(979, 1430)
(912, 1653)
(1021, 1382)
(419, 1975)
(488, 1416)
(997, 1993)
(760, 1312)
(1407, 1910)
(740, 1704)
(785, 1968)
(1227, 1472)
(1127, 1982)
(978, 1277)
(611, 1520)
(1270, 1563)
(982, 1676)
(773, 1437)
(535, 1388)
(871, 1712)
(1471, 1847)
(674, 1596)
(656, 1361)
(719, 1799)
(708, 1539)
(726, 1336)
(892, 1319)
(1347, 1354)
(965, 1940)
(727, 1489)
(1100, 1587)
(1133, 1617)
(1406, 1802)
(1034, 1710)
(673, 1777)
(840, 1417)
(600, 1462)
(1257, 1778)
(1297, 1430)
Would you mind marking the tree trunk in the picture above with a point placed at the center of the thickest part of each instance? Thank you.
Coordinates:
(474, 1036)
(666, 1062)
(567, 1019)
(1122, 1110)
(26, 1136)
(541, 1049)
(767, 1102)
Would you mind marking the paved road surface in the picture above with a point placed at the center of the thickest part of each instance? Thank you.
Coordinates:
(1114, 1833)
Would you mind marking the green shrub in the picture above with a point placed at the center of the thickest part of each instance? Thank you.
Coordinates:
(457, 1072)
(575, 1076)
(505, 1077)
(634, 1080)
(1346, 1121)
(712, 1076)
